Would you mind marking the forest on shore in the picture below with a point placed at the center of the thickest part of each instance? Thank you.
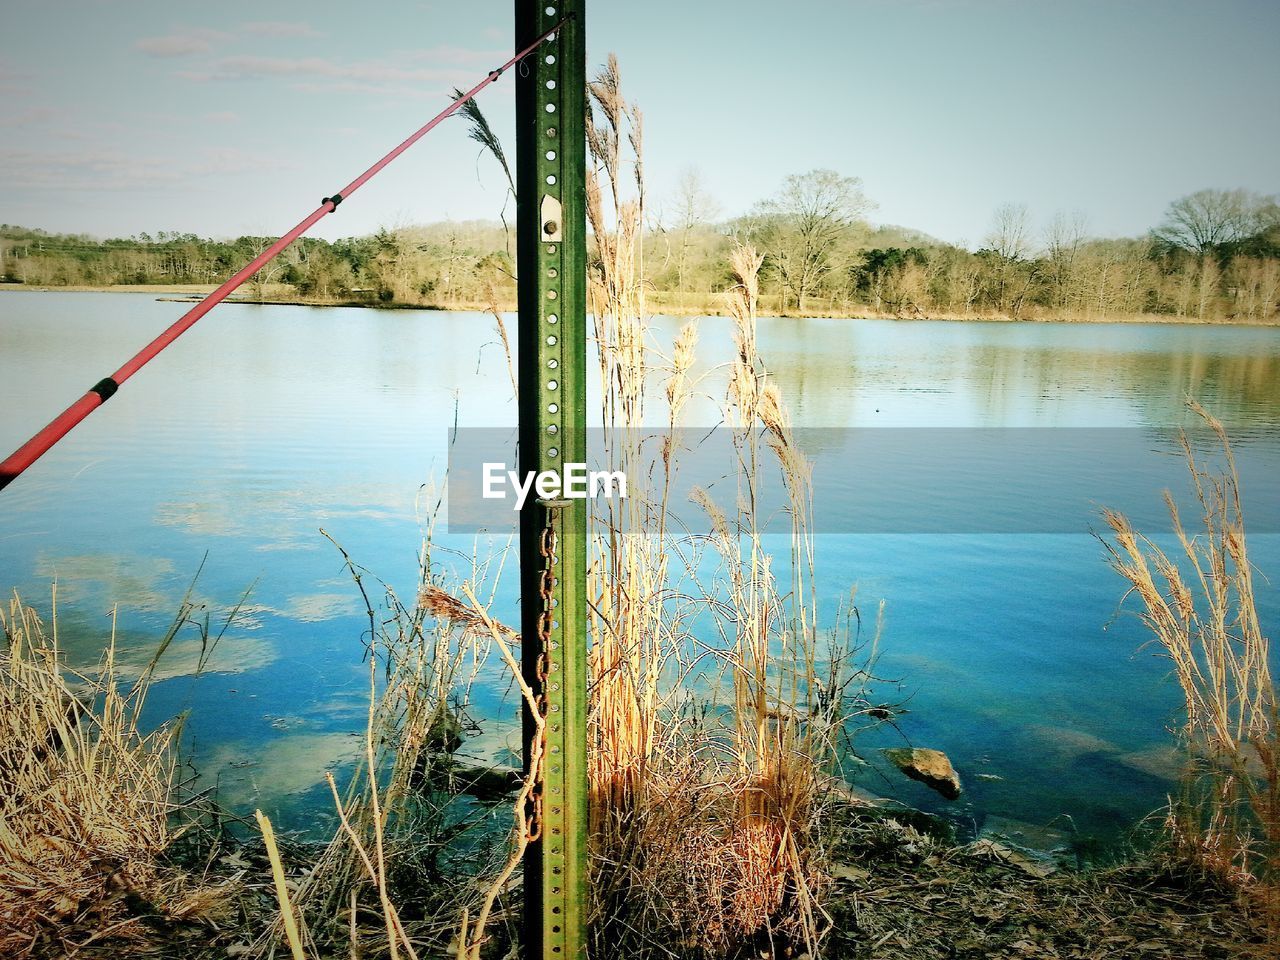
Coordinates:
(1214, 257)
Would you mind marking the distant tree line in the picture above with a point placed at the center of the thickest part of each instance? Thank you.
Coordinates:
(443, 264)
(1215, 256)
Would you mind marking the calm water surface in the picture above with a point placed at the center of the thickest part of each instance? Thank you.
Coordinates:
(267, 423)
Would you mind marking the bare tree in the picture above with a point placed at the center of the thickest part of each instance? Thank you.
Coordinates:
(1063, 239)
(1010, 241)
(1207, 219)
(694, 207)
(1010, 235)
(268, 273)
(800, 227)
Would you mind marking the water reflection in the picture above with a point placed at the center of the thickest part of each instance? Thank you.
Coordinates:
(875, 373)
(266, 423)
(252, 775)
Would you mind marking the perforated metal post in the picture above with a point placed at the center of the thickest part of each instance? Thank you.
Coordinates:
(551, 257)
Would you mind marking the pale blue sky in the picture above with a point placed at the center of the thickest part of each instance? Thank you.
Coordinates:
(236, 117)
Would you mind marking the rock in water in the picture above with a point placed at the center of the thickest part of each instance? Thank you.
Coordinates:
(930, 767)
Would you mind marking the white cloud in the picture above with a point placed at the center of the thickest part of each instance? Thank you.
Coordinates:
(395, 76)
(104, 170)
(180, 44)
(246, 67)
(29, 116)
(81, 170)
(279, 28)
(460, 55)
(13, 83)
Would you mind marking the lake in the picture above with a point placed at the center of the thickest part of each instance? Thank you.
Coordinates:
(1005, 641)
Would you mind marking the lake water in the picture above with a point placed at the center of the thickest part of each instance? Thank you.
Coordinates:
(266, 423)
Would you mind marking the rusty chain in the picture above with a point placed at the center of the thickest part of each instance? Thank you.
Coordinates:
(546, 593)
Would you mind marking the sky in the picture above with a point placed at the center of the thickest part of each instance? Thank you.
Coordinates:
(230, 118)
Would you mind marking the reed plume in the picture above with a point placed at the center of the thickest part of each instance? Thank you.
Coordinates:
(703, 812)
(1200, 608)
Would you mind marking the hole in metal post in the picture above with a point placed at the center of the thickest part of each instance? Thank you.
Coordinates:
(552, 318)
(551, 108)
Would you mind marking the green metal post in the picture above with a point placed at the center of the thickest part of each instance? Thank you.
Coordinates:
(551, 259)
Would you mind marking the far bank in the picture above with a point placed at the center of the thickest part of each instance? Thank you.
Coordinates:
(657, 303)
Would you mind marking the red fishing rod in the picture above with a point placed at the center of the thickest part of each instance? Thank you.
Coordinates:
(104, 389)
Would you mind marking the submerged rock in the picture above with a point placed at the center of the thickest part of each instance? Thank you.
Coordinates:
(1028, 837)
(444, 734)
(1031, 865)
(930, 767)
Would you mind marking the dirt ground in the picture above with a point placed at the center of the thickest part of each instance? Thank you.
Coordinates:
(901, 895)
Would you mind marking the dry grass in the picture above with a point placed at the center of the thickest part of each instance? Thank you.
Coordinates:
(392, 882)
(86, 800)
(1200, 608)
(90, 862)
(900, 893)
(704, 814)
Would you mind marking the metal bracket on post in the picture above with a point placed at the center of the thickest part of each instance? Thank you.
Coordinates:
(551, 260)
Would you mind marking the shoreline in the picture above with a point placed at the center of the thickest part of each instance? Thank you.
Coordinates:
(193, 293)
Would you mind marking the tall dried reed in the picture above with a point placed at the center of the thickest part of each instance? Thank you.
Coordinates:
(635, 626)
(393, 879)
(702, 820)
(1201, 609)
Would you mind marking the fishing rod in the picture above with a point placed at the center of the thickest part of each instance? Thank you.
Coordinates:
(105, 389)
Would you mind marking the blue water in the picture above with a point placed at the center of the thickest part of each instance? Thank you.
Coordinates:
(267, 423)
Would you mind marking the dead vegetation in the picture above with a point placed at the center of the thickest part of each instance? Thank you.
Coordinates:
(87, 810)
(1200, 609)
(899, 892)
(716, 703)
(715, 699)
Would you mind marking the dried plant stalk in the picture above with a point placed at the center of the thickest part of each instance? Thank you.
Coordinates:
(702, 821)
(85, 795)
(1200, 608)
